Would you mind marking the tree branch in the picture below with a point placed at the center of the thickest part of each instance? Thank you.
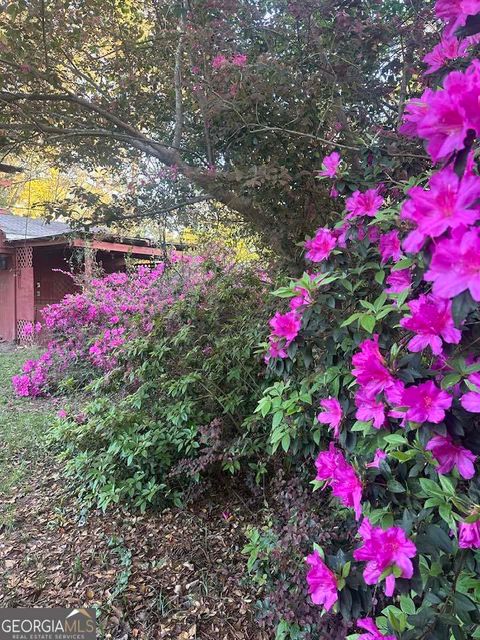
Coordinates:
(173, 207)
(301, 134)
(177, 137)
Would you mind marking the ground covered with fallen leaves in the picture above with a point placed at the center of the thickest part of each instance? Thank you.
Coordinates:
(173, 574)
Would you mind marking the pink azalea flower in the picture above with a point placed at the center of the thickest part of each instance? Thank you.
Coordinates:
(373, 234)
(219, 61)
(321, 581)
(332, 414)
(334, 192)
(390, 247)
(373, 632)
(275, 350)
(321, 246)
(426, 403)
(449, 114)
(330, 165)
(398, 281)
(370, 367)
(447, 204)
(328, 462)
(341, 234)
(377, 459)
(394, 395)
(450, 455)
(451, 9)
(363, 204)
(286, 325)
(415, 110)
(62, 413)
(455, 265)
(301, 300)
(239, 60)
(384, 549)
(470, 401)
(449, 48)
(341, 477)
(431, 320)
(368, 408)
(469, 535)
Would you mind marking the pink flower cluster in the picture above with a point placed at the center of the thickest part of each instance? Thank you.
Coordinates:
(431, 320)
(321, 246)
(385, 550)
(237, 60)
(444, 117)
(286, 327)
(92, 326)
(332, 415)
(341, 477)
(34, 377)
(363, 204)
(330, 165)
(321, 581)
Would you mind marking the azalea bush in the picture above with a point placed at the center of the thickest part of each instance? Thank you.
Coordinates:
(175, 407)
(378, 365)
(87, 330)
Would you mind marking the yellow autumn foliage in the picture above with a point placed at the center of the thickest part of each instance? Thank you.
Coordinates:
(228, 236)
(27, 195)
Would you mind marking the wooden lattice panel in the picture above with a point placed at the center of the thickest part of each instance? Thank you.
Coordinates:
(24, 257)
(21, 335)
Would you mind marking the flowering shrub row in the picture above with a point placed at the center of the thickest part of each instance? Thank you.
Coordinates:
(401, 403)
(174, 402)
(87, 329)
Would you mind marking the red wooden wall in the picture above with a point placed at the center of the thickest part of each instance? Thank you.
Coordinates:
(50, 286)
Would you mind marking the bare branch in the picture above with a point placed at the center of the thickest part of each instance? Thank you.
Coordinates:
(301, 134)
(173, 207)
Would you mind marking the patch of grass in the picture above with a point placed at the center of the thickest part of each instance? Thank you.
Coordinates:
(22, 420)
(23, 426)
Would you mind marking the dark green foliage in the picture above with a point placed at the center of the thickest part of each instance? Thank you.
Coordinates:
(178, 402)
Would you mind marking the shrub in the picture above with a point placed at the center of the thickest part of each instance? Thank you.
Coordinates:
(387, 378)
(87, 329)
(178, 399)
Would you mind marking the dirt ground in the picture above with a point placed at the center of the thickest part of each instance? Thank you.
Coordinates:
(175, 574)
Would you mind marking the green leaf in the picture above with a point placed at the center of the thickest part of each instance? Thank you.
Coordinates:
(368, 323)
(351, 319)
(395, 487)
(450, 380)
(277, 419)
(395, 438)
(359, 425)
(380, 276)
(402, 264)
(403, 456)
(430, 488)
(447, 485)
(407, 605)
(346, 569)
(286, 442)
(439, 538)
(445, 511)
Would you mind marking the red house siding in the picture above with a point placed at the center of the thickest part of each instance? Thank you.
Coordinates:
(50, 286)
(33, 280)
(7, 308)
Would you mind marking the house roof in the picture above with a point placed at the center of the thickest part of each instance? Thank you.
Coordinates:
(23, 228)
